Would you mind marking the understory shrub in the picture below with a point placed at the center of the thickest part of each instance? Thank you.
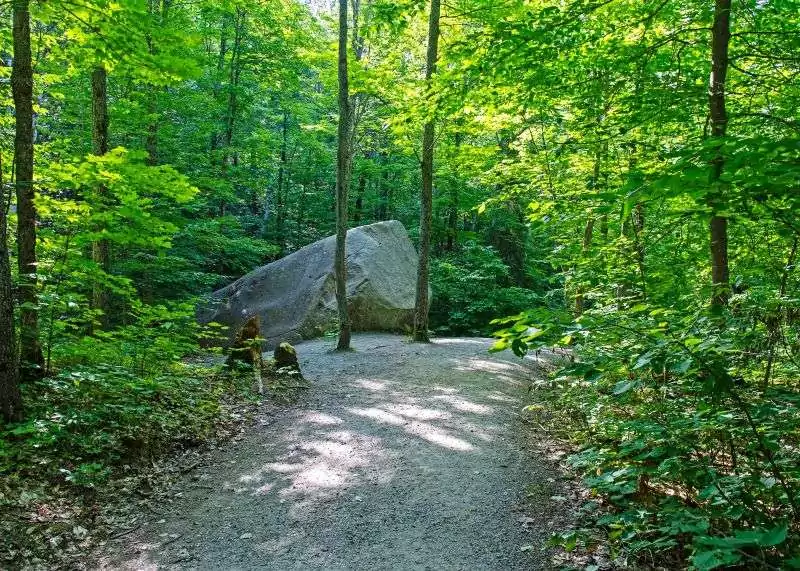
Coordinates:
(112, 404)
(470, 288)
(690, 450)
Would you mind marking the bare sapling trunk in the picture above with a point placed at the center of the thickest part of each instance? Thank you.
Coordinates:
(32, 361)
(100, 248)
(718, 226)
(426, 197)
(342, 183)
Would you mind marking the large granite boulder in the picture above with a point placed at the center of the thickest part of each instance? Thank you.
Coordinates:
(295, 299)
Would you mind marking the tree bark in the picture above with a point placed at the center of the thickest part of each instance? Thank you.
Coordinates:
(426, 198)
(452, 215)
(233, 85)
(223, 50)
(32, 360)
(342, 182)
(10, 399)
(588, 233)
(359, 206)
(718, 226)
(280, 202)
(159, 11)
(100, 248)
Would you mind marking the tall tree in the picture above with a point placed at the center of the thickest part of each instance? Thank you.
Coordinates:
(22, 91)
(343, 157)
(426, 197)
(10, 402)
(101, 254)
(720, 38)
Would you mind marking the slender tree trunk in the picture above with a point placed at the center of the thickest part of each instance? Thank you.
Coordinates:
(426, 198)
(233, 85)
(720, 37)
(342, 182)
(223, 51)
(100, 248)
(10, 400)
(32, 360)
(452, 215)
(280, 204)
(160, 11)
(362, 186)
(774, 321)
(588, 233)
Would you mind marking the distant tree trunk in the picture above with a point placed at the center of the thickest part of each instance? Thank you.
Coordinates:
(384, 191)
(217, 88)
(720, 38)
(342, 182)
(158, 10)
(638, 216)
(452, 215)
(362, 186)
(100, 248)
(426, 198)
(10, 400)
(32, 361)
(233, 81)
(280, 203)
(588, 233)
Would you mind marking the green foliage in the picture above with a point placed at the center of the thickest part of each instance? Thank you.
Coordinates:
(678, 433)
(470, 287)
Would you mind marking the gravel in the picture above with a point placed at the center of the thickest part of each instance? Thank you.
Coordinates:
(400, 456)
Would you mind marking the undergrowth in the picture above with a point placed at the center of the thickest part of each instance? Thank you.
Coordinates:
(94, 432)
(690, 452)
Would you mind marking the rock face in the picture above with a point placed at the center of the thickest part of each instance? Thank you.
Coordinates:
(295, 299)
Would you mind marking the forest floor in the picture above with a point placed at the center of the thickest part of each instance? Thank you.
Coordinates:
(399, 456)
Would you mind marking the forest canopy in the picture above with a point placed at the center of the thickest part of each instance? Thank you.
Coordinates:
(620, 178)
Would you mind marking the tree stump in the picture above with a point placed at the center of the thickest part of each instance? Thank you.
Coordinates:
(247, 346)
(286, 357)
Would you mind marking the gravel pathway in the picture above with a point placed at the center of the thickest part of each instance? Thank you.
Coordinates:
(400, 456)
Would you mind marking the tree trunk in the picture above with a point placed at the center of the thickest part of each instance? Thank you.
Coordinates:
(10, 400)
(159, 11)
(362, 186)
(100, 248)
(452, 215)
(384, 206)
(280, 203)
(233, 85)
(720, 37)
(32, 360)
(588, 233)
(223, 50)
(342, 183)
(426, 198)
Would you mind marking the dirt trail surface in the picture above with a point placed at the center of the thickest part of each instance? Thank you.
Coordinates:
(400, 456)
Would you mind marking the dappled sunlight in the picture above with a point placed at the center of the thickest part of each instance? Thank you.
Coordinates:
(478, 364)
(265, 489)
(379, 415)
(500, 397)
(309, 470)
(423, 430)
(447, 390)
(462, 341)
(315, 417)
(418, 412)
(369, 435)
(464, 405)
(438, 436)
(370, 385)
